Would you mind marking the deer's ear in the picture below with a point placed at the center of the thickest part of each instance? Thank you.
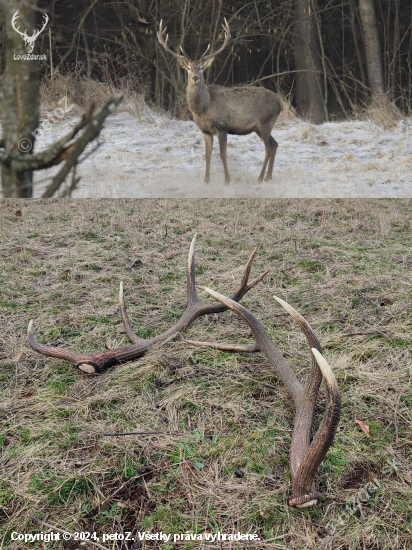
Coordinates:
(183, 63)
(208, 62)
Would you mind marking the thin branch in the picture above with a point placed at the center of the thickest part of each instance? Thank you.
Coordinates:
(75, 150)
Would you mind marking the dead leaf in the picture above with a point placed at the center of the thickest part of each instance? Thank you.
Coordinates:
(28, 394)
(18, 213)
(18, 358)
(364, 426)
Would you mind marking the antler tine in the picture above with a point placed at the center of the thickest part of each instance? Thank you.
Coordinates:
(303, 495)
(305, 458)
(163, 42)
(90, 363)
(245, 348)
(51, 351)
(195, 308)
(301, 438)
(304, 325)
(226, 29)
(126, 321)
(276, 359)
(185, 54)
(203, 55)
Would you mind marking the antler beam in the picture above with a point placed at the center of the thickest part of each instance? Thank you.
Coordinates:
(226, 30)
(163, 42)
(305, 455)
(91, 363)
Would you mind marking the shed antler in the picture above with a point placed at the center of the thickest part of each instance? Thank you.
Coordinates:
(90, 363)
(305, 455)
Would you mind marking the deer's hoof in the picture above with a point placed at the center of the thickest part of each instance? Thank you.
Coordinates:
(206, 180)
(227, 181)
(268, 178)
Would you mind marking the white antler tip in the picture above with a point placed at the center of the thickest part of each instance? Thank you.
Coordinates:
(284, 304)
(30, 327)
(279, 300)
(121, 291)
(324, 366)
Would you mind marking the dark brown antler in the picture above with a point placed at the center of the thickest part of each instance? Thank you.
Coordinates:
(305, 456)
(90, 363)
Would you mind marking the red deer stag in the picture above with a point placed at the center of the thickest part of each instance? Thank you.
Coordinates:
(93, 362)
(305, 455)
(219, 111)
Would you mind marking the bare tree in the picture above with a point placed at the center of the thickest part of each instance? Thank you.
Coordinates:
(19, 98)
(308, 64)
(20, 111)
(372, 46)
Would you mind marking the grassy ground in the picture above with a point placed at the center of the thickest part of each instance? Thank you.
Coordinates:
(345, 265)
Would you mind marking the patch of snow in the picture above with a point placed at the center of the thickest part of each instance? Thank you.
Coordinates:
(161, 157)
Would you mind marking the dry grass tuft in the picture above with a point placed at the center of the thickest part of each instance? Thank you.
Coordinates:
(81, 90)
(288, 112)
(343, 264)
(382, 111)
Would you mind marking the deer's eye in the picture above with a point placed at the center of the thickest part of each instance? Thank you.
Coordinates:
(202, 68)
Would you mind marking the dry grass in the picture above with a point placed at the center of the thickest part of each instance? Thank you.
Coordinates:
(345, 265)
(382, 111)
(81, 91)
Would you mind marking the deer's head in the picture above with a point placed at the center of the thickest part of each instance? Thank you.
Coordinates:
(194, 68)
(29, 41)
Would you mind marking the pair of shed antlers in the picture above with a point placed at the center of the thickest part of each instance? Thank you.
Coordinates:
(306, 453)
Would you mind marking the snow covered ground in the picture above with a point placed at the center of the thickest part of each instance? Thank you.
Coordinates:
(161, 157)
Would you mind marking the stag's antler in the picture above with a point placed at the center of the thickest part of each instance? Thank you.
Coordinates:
(305, 456)
(226, 30)
(90, 363)
(163, 42)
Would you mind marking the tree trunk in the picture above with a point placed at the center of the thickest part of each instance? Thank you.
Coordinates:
(19, 97)
(308, 64)
(372, 48)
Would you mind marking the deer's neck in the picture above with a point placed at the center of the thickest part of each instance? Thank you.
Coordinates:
(198, 98)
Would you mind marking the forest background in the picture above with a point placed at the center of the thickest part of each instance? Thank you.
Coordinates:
(327, 56)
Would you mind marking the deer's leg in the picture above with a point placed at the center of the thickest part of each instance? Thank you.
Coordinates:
(273, 146)
(222, 137)
(263, 134)
(209, 148)
(270, 151)
(262, 173)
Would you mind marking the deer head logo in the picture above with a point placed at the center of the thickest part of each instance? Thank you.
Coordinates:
(29, 41)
